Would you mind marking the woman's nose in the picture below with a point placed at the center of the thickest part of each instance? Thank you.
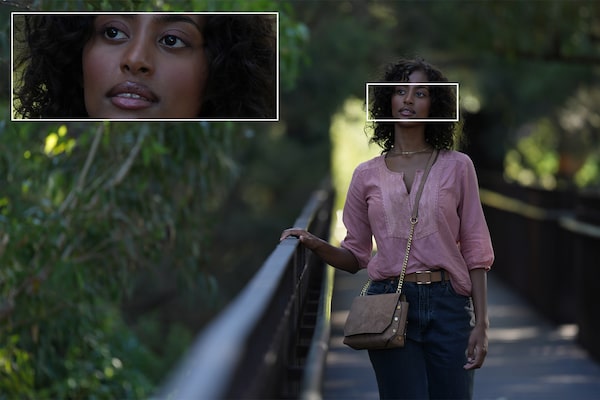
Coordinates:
(408, 99)
(137, 58)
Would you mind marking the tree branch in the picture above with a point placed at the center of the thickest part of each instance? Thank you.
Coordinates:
(70, 201)
(126, 167)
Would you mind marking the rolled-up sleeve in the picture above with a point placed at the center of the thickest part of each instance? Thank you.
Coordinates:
(475, 241)
(358, 238)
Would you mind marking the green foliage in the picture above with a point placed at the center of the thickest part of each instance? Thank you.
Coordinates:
(16, 371)
(108, 232)
(102, 362)
(535, 159)
(588, 176)
(89, 211)
(561, 149)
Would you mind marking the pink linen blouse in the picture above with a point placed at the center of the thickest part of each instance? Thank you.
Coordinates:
(451, 234)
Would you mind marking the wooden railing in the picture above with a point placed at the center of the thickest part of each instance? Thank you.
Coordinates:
(547, 246)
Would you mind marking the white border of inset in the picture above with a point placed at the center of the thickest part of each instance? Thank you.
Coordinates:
(277, 82)
(455, 84)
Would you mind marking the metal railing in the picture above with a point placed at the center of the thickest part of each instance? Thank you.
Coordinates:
(271, 341)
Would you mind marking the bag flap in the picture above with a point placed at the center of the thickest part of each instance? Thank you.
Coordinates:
(371, 314)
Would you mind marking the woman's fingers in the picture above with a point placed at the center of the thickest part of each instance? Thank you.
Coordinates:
(295, 232)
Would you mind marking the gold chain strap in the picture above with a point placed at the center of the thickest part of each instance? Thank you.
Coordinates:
(413, 222)
(365, 287)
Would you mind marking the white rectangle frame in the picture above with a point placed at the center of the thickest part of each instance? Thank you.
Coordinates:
(455, 84)
(277, 82)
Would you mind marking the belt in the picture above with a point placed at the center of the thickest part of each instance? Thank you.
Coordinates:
(427, 277)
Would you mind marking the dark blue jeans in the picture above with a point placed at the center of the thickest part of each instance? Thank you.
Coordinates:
(430, 365)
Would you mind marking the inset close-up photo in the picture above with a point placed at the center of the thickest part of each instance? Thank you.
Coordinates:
(131, 66)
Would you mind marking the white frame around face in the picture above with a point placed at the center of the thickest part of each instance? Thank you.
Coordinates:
(369, 84)
(277, 84)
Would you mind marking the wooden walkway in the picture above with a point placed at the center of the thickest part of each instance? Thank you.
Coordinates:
(528, 357)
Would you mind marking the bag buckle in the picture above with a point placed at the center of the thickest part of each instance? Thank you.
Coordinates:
(423, 282)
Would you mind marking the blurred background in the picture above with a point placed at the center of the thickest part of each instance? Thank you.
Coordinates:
(120, 241)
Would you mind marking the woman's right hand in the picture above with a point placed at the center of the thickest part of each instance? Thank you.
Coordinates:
(335, 256)
(309, 240)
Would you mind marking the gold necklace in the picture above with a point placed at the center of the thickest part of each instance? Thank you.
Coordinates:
(408, 153)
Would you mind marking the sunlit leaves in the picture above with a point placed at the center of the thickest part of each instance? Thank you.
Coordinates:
(589, 173)
(57, 143)
(535, 160)
(16, 369)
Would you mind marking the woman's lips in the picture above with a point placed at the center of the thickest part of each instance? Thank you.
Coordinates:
(407, 112)
(132, 96)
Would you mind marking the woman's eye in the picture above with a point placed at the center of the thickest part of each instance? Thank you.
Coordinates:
(114, 33)
(172, 41)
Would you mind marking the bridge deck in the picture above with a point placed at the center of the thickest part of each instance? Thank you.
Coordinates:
(528, 358)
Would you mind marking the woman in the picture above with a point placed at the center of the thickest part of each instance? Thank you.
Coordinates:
(148, 65)
(445, 281)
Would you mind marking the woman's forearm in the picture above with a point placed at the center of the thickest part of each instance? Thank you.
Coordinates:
(337, 257)
(479, 296)
(478, 341)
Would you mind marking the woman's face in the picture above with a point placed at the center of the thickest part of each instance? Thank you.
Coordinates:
(412, 101)
(145, 66)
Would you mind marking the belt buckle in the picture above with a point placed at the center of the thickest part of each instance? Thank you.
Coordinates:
(427, 282)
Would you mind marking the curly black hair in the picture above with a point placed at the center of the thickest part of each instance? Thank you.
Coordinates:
(240, 48)
(440, 135)
(241, 53)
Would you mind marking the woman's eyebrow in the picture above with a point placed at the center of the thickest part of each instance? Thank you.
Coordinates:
(170, 18)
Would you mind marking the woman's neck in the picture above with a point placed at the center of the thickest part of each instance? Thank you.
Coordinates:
(409, 139)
